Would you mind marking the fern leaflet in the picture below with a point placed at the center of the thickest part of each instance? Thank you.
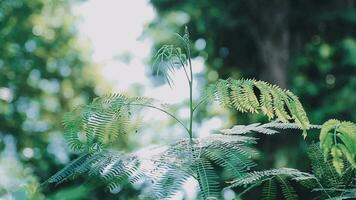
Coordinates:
(272, 101)
(338, 140)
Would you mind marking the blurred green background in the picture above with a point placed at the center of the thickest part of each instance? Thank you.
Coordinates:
(46, 69)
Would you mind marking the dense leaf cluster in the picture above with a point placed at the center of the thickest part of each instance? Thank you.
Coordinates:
(90, 129)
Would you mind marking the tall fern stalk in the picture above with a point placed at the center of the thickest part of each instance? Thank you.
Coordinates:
(190, 88)
(91, 130)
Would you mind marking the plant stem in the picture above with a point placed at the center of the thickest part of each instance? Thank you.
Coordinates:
(190, 96)
(335, 140)
(183, 65)
(202, 101)
(322, 188)
(162, 110)
(245, 191)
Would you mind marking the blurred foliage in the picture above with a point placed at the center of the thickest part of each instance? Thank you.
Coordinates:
(19, 180)
(321, 45)
(324, 74)
(44, 71)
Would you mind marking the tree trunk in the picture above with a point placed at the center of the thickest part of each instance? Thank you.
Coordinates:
(272, 37)
(271, 32)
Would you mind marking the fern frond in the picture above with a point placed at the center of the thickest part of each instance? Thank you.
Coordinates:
(323, 170)
(169, 183)
(266, 99)
(248, 95)
(287, 189)
(121, 173)
(346, 194)
(124, 167)
(92, 127)
(235, 161)
(269, 190)
(236, 96)
(222, 93)
(72, 125)
(267, 128)
(207, 178)
(270, 177)
(299, 115)
(340, 194)
(338, 139)
(170, 58)
(261, 176)
(198, 159)
(69, 170)
(114, 168)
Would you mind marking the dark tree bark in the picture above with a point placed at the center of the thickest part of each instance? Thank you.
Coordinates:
(272, 36)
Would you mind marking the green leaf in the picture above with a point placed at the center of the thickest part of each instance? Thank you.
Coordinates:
(271, 101)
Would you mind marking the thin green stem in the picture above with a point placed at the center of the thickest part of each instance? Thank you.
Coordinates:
(162, 110)
(183, 65)
(190, 96)
(322, 188)
(245, 191)
(191, 112)
(200, 102)
(335, 140)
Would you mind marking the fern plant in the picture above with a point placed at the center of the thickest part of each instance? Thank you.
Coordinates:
(273, 101)
(338, 138)
(90, 131)
(323, 180)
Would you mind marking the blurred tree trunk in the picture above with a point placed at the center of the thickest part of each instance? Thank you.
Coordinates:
(271, 34)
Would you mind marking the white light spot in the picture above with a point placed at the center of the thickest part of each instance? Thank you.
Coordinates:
(213, 75)
(65, 70)
(28, 152)
(330, 79)
(183, 113)
(190, 188)
(198, 65)
(30, 46)
(229, 194)
(200, 44)
(6, 94)
(210, 125)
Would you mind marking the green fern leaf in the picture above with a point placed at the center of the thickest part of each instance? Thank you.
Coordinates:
(69, 170)
(222, 93)
(279, 103)
(170, 58)
(330, 182)
(235, 161)
(287, 189)
(92, 127)
(266, 99)
(271, 101)
(197, 159)
(261, 176)
(72, 134)
(170, 183)
(324, 171)
(269, 190)
(237, 96)
(268, 128)
(338, 139)
(207, 178)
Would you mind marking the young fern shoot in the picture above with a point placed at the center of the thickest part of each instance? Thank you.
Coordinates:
(170, 57)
